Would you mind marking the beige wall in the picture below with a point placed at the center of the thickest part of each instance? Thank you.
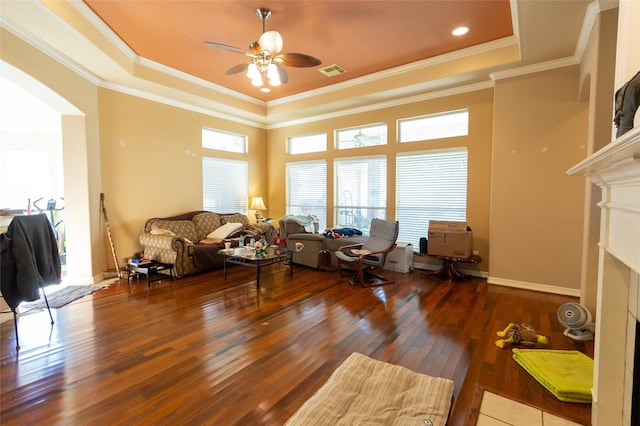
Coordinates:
(596, 87)
(152, 162)
(540, 131)
(478, 142)
(146, 158)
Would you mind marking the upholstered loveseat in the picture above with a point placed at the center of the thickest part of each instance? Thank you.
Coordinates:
(191, 241)
(296, 229)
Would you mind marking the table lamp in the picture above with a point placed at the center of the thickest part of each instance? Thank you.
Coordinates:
(257, 204)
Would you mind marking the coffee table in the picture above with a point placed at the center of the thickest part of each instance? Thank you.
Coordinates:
(248, 258)
(151, 270)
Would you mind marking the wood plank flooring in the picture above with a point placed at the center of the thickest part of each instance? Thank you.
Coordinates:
(201, 350)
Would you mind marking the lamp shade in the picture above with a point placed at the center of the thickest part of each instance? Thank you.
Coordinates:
(257, 204)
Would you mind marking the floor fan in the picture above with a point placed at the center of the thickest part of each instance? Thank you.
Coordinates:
(577, 321)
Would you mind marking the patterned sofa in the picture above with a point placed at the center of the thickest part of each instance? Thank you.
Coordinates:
(182, 240)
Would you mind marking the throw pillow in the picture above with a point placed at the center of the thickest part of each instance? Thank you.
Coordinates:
(225, 230)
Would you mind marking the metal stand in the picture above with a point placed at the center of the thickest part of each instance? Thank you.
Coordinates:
(15, 318)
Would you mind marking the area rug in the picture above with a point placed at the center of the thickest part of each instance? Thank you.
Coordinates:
(364, 391)
(61, 297)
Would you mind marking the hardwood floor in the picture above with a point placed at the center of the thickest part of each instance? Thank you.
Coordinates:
(202, 350)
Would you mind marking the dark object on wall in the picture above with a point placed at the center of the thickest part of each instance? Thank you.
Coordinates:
(423, 245)
(627, 101)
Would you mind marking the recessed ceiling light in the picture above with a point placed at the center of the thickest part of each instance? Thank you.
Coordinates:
(460, 31)
(265, 89)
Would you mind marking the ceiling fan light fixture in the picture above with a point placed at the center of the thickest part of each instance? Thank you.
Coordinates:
(257, 82)
(271, 41)
(252, 71)
(265, 56)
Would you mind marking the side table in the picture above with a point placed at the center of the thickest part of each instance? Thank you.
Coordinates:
(448, 270)
(150, 270)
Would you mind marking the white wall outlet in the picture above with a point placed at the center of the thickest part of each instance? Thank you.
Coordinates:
(476, 252)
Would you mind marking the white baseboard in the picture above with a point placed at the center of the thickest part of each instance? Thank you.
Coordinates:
(525, 285)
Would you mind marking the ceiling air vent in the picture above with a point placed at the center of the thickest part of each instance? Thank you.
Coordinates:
(332, 70)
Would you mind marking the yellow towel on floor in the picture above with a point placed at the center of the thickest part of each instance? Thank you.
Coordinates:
(566, 374)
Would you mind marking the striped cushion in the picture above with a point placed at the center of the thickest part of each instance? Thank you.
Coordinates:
(364, 391)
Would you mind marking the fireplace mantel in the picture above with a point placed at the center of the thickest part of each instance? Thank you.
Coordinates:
(616, 170)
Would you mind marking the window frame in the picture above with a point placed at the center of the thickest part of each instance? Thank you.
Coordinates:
(302, 138)
(435, 134)
(319, 210)
(219, 186)
(352, 143)
(243, 150)
(353, 213)
(414, 212)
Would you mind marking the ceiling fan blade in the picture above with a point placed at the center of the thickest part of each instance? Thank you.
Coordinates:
(238, 68)
(282, 73)
(227, 47)
(297, 60)
(271, 41)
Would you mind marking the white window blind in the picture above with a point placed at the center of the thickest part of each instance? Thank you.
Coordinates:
(430, 186)
(224, 185)
(361, 191)
(307, 189)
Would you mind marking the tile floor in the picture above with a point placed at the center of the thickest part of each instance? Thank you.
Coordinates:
(496, 410)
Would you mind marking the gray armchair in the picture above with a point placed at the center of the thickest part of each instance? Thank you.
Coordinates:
(369, 255)
(296, 229)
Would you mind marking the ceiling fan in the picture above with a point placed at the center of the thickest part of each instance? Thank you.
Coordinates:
(266, 60)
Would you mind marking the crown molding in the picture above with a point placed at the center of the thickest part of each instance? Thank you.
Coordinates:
(388, 104)
(97, 23)
(593, 10)
(534, 68)
(47, 49)
(189, 106)
(183, 76)
(403, 69)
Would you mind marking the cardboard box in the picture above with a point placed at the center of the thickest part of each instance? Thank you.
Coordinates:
(400, 259)
(449, 239)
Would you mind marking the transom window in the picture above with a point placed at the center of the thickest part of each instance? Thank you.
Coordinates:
(430, 185)
(435, 126)
(307, 143)
(223, 141)
(357, 137)
(361, 191)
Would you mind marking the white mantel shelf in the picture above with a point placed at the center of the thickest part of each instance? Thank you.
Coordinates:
(625, 149)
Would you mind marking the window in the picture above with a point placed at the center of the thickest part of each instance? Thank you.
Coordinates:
(307, 189)
(307, 143)
(430, 185)
(224, 185)
(435, 126)
(361, 191)
(361, 136)
(223, 141)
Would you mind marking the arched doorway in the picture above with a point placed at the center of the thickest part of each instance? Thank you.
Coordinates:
(65, 160)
